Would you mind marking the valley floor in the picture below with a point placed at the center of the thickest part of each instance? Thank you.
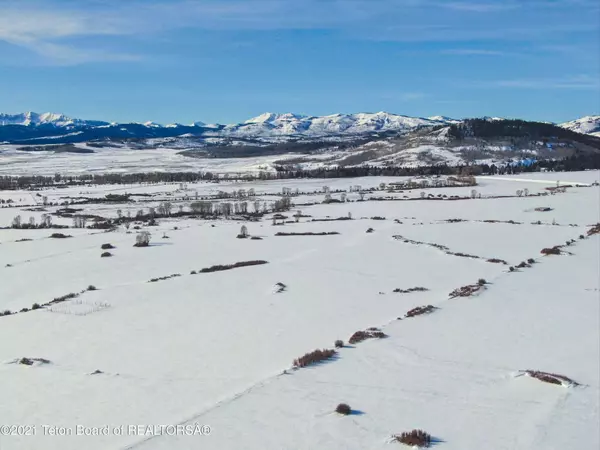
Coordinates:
(211, 354)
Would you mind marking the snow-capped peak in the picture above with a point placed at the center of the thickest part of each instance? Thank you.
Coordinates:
(584, 125)
(31, 118)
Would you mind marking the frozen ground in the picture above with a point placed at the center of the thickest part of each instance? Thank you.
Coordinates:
(217, 348)
(123, 160)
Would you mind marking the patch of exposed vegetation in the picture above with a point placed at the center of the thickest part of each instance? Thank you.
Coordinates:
(168, 277)
(60, 236)
(314, 357)
(409, 290)
(220, 267)
(414, 438)
(280, 287)
(343, 409)
(594, 230)
(420, 310)
(327, 219)
(497, 261)
(556, 250)
(466, 291)
(371, 333)
(551, 378)
(32, 361)
(327, 233)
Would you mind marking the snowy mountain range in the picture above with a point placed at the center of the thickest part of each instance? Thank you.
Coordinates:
(35, 119)
(585, 125)
(34, 128)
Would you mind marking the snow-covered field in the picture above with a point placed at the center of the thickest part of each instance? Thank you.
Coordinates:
(210, 355)
(123, 160)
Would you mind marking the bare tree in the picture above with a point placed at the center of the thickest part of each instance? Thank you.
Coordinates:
(16, 222)
(142, 239)
(46, 221)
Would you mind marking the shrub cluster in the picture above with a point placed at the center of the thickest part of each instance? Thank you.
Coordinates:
(463, 255)
(30, 361)
(328, 233)
(154, 280)
(106, 255)
(314, 357)
(409, 290)
(339, 343)
(329, 219)
(466, 291)
(107, 246)
(371, 333)
(220, 267)
(497, 261)
(551, 378)
(552, 251)
(594, 230)
(420, 310)
(343, 409)
(60, 236)
(414, 438)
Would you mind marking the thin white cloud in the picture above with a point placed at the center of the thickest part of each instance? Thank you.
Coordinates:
(54, 28)
(481, 7)
(584, 82)
(47, 33)
(472, 52)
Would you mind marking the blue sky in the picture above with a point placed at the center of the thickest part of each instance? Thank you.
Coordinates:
(228, 60)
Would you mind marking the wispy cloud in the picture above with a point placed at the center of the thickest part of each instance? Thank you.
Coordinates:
(585, 82)
(55, 29)
(481, 7)
(47, 33)
(472, 52)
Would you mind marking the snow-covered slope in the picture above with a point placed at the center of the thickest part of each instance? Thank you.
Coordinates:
(585, 125)
(35, 119)
(269, 124)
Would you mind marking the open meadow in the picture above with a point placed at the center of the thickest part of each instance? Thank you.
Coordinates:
(468, 311)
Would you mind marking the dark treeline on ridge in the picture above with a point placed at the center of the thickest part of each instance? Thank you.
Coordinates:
(572, 163)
